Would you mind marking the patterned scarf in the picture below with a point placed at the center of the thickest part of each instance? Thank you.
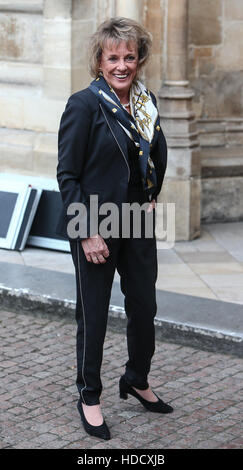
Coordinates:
(139, 125)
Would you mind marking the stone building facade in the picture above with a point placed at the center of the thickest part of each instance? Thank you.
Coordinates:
(196, 72)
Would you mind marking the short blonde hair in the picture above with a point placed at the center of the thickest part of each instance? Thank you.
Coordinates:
(118, 29)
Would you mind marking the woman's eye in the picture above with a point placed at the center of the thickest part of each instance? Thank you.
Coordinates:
(129, 58)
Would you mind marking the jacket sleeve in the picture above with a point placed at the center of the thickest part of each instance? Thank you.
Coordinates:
(159, 156)
(73, 138)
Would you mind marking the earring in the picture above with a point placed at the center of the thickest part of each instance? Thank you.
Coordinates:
(100, 73)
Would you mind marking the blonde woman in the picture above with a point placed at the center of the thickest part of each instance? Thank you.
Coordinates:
(111, 146)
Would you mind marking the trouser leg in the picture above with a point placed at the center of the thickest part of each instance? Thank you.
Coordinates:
(137, 266)
(93, 287)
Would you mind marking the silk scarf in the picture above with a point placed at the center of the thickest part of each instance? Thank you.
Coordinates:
(139, 125)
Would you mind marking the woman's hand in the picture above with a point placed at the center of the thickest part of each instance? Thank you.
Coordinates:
(151, 206)
(95, 249)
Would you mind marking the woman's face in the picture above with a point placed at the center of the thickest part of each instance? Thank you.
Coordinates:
(119, 64)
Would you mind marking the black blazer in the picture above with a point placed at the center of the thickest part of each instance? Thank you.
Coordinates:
(93, 157)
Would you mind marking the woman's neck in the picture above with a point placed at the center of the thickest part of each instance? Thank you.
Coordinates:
(123, 97)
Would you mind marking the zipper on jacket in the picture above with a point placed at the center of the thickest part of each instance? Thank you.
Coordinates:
(116, 141)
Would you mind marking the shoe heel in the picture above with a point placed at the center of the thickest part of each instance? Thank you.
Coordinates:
(123, 395)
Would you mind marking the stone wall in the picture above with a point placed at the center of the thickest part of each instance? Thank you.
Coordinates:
(215, 68)
(42, 61)
(215, 65)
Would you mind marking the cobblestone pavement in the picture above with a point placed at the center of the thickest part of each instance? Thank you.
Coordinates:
(38, 392)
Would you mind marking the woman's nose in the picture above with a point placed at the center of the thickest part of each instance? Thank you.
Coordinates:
(121, 65)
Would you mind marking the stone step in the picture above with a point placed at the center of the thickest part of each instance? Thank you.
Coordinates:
(184, 319)
(221, 161)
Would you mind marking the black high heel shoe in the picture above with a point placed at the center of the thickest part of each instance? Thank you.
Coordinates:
(101, 431)
(157, 406)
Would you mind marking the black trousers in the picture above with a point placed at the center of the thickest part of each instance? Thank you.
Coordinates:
(136, 261)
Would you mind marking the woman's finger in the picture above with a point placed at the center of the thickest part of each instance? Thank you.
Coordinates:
(95, 259)
(101, 259)
(106, 253)
(95, 249)
(151, 206)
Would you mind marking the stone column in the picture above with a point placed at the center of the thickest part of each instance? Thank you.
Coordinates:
(67, 27)
(129, 9)
(57, 64)
(182, 181)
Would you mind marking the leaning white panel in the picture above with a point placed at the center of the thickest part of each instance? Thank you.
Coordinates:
(18, 203)
(46, 209)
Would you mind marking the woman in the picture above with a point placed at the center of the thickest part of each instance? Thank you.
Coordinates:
(111, 146)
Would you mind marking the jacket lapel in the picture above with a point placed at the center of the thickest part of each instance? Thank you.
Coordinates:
(116, 131)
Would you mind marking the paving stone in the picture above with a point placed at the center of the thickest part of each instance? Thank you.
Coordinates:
(38, 393)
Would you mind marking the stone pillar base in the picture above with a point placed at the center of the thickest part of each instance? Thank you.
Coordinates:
(182, 180)
(185, 194)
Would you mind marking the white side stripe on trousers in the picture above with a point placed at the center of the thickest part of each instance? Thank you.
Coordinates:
(84, 345)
